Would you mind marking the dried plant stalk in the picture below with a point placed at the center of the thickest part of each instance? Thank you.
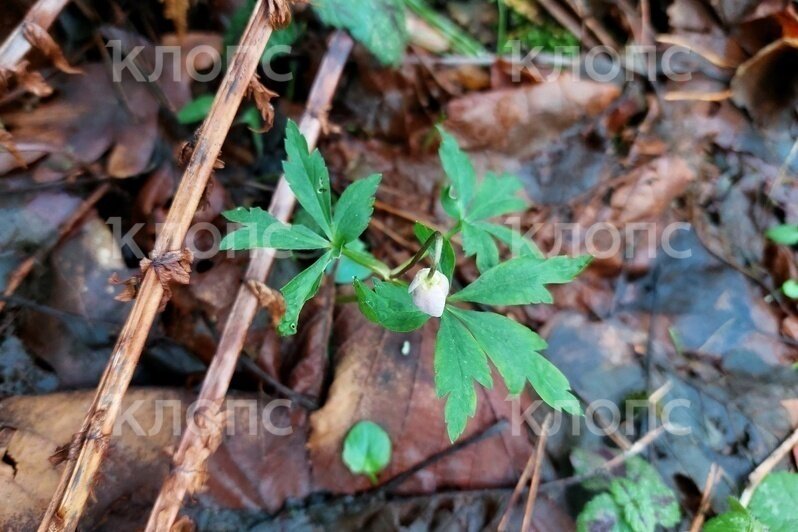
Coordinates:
(86, 451)
(201, 440)
(16, 46)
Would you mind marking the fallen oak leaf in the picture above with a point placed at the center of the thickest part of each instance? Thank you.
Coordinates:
(262, 97)
(172, 266)
(41, 40)
(269, 299)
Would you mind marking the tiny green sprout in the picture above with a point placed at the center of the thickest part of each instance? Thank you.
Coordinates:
(469, 343)
(367, 449)
(790, 288)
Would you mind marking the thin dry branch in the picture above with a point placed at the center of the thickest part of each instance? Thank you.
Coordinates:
(531, 465)
(22, 271)
(706, 498)
(197, 445)
(16, 46)
(533, 486)
(85, 452)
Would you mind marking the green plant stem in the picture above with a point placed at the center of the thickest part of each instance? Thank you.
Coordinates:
(501, 39)
(404, 268)
(460, 41)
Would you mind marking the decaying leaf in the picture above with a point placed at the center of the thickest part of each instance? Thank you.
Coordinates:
(130, 287)
(388, 378)
(7, 143)
(172, 266)
(262, 97)
(269, 299)
(31, 82)
(767, 84)
(40, 39)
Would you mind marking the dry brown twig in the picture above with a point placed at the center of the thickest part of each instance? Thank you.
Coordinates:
(196, 446)
(91, 441)
(532, 464)
(533, 487)
(709, 486)
(16, 46)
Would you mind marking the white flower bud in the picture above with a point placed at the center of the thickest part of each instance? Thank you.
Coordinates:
(429, 293)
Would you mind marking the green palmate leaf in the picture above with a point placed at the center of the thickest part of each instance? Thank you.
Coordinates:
(459, 170)
(196, 110)
(262, 230)
(522, 281)
(478, 242)
(448, 258)
(784, 234)
(308, 178)
(737, 519)
(367, 449)
(601, 513)
(518, 243)
(774, 502)
(637, 502)
(353, 209)
(496, 196)
(513, 349)
(378, 24)
(299, 290)
(389, 305)
(459, 361)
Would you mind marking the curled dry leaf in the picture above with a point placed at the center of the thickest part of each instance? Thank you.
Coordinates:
(269, 299)
(263, 101)
(172, 266)
(130, 287)
(279, 13)
(767, 84)
(40, 39)
(31, 82)
(8, 144)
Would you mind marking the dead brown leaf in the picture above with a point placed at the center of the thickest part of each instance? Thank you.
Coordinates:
(767, 84)
(651, 189)
(40, 39)
(263, 101)
(32, 428)
(269, 299)
(130, 287)
(520, 121)
(7, 143)
(388, 378)
(172, 266)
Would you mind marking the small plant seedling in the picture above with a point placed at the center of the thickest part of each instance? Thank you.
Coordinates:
(772, 508)
(786, 235)
(468, 340)
(367, 449)
(637, 502)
